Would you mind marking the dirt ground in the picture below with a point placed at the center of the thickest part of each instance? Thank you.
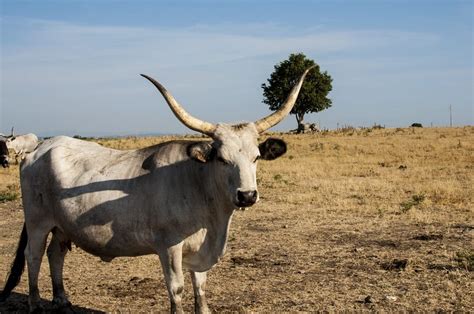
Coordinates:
(303, 253)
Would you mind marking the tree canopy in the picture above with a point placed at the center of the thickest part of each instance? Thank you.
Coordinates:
(313, 93)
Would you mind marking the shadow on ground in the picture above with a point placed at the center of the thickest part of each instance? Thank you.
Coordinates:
(18, 303)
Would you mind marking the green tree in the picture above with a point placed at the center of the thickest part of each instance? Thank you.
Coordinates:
(313, 94)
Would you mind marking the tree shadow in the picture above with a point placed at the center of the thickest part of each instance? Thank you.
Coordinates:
(18, 303)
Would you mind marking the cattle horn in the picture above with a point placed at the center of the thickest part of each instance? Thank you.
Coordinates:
(187, 119)
(273, 119)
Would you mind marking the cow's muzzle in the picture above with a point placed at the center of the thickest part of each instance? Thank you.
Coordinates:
(4, 162)
(246, 198)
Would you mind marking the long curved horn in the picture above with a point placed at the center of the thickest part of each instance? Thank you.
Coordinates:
(273, 119)
(187, 119)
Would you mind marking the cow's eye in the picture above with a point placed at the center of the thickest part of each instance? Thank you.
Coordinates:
(256, 158)
(222, 160)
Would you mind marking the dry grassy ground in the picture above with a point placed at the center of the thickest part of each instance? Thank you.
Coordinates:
(358, 220)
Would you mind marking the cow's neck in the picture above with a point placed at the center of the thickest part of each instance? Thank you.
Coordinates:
(214, 218)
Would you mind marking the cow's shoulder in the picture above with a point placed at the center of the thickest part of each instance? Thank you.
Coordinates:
(165, 154)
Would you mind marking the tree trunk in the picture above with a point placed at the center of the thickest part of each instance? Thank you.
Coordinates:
(299, 117)
(299, 120)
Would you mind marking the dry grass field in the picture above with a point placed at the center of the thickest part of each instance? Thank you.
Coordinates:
(373, 219)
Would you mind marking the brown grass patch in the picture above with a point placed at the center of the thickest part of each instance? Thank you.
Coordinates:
(374, 219)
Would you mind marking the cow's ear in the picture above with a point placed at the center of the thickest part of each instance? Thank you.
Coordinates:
(272, 148)
(202, 152)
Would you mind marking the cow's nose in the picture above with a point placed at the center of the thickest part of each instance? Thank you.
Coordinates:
(246, 198)
(4, 162)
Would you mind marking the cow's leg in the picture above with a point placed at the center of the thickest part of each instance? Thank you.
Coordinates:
(57, 250)
(199, 284)
(34, 254)
(171, 261)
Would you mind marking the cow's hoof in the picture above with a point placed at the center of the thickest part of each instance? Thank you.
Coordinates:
(61, 303)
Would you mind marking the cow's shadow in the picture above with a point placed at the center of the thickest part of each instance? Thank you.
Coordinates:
(18, 303)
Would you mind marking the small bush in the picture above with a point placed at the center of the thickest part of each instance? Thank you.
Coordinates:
(414, 201)
(418, 199)
(381, 212)
(347, 128)
(465, 259)
(84, 138)
(10, 194)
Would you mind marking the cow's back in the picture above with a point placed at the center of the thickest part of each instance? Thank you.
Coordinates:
(63, 159)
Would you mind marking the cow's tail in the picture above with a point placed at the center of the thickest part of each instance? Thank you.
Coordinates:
(17, 267)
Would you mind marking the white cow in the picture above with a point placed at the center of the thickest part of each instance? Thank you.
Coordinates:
(22, 144)
(175, 199)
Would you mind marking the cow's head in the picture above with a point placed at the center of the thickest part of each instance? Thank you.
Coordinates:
(233, 154)
(234, 151)
(9, 138)
(3, 154)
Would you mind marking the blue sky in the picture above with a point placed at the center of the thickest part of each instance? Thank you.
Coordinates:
(72, 67)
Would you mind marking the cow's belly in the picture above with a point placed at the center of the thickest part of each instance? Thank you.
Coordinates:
(103, 241)
(105, 228)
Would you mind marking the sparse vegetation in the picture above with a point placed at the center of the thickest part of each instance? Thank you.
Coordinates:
(385, 213)
(465, 259)
(11, 193)
(413, 201)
